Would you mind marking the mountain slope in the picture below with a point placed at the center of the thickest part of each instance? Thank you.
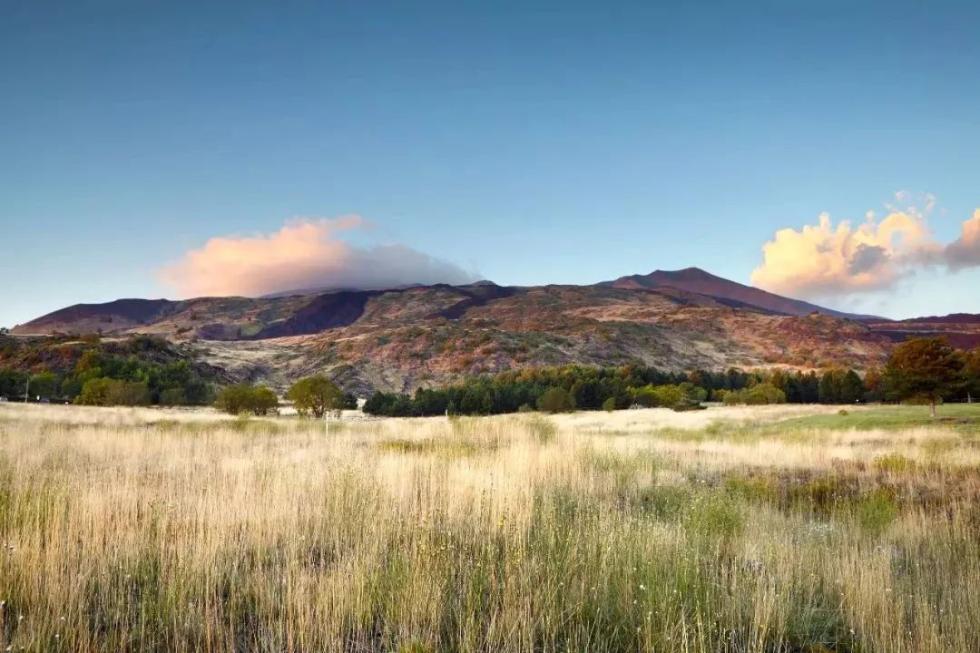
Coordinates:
(118, 315)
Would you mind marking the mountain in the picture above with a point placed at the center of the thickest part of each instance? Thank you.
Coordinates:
(698, 281)
(410, 337)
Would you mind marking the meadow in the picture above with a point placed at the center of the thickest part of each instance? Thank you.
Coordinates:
(780, 528)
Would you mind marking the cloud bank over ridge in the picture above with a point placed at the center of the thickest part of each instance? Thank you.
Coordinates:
(306, 253)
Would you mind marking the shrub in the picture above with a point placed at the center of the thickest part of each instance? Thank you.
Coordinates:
(651, 396)
(753, 488)
(758, 395)
(821, 495)
(173, 397)
(609, 405)
(245, 398)
(664, 502)
(102, 391)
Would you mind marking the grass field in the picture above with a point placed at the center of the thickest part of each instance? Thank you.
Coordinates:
(732, 529)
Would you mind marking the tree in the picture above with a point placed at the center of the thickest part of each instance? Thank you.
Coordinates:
(873, 383)
(971, 373)
(830, 386)
(264, 400)
(12, 383)
(95, 392)
(556, 400)
(668, 396)
(317, 395)
(851, 388)
(44, 385)
(234, 399)
(926, 369)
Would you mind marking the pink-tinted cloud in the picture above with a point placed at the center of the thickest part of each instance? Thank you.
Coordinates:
(824, 260)
(965, 251)
(306, 253)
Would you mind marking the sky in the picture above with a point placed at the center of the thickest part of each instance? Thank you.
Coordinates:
(167, 149)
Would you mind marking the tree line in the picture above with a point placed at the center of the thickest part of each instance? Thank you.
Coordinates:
(928, 370)
(145, 370)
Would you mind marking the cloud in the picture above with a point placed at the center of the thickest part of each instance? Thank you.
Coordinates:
(965, 251)
(824, 260)
(306, 253)
(867, 258)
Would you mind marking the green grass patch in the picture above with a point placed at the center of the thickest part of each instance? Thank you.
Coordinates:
(715, 515)
(445, 447)
(877, 511)
(965, 417)
(895, 463)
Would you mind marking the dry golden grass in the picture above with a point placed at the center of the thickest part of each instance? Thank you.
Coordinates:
(722, 530)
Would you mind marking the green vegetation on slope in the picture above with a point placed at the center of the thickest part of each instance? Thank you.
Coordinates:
(138, 370)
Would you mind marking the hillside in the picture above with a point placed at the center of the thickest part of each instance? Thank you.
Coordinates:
(961, 329)
(410, 337)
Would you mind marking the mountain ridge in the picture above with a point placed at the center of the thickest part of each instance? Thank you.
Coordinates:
(139, 311)
(416, 336)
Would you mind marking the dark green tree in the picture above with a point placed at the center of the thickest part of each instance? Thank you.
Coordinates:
(924, 369)
(971, 374)
(556, 400)
(44, 385)
(851, 388)
(830, 383)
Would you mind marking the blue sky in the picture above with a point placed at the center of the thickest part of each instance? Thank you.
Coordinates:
(527, 142)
